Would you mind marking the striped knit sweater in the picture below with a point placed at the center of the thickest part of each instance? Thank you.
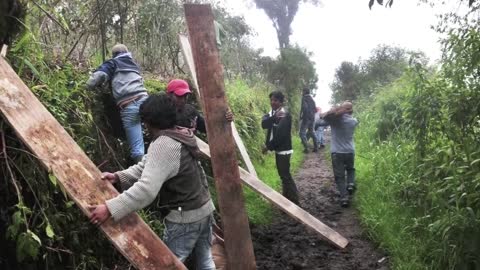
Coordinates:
(143, 181)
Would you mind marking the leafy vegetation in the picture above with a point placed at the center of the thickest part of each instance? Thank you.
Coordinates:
(40, 228)
(418, 159)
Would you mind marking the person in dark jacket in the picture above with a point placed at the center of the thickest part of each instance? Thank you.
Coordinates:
(123, 75)
(342, 147)
(307, 119)
(278, 124)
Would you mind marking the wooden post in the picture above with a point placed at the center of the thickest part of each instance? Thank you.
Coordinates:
(187, 54)
(78, 176)
(238, 242)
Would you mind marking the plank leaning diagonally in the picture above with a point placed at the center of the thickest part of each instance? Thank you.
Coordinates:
(187, 54)
(284, 204)
(59, 153)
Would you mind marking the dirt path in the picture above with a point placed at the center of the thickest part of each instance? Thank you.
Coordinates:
(286, 244)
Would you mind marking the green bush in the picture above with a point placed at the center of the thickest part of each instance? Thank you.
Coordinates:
(419, 170)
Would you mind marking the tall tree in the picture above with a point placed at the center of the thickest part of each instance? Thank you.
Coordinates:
(362, 80)
(346, 85)
(282, 13)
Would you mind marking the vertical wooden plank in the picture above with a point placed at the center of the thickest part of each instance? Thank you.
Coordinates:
(80, 178)
(187, 54)
(238, 242)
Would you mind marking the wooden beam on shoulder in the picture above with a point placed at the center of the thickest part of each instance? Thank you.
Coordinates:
(76, 173)
(238, 242)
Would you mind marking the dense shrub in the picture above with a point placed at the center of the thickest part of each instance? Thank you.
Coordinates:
(419, 164)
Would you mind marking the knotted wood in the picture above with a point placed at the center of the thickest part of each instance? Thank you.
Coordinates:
(76, 173)
(238, 242)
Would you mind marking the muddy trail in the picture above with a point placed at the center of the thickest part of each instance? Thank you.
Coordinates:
(286, 244)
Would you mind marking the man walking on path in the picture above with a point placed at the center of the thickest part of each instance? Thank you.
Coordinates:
(343, 149)
(170, 171)
(307, 118)
(123, 75)
(278, 124)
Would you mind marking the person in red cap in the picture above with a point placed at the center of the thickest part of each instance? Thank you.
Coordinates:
(187, 115)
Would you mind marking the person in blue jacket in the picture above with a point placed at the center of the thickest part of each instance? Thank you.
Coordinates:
(123, 75)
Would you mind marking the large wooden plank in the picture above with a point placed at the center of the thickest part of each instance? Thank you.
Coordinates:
(188, 56)
(238, 242)
(284, 204)
(59, 153)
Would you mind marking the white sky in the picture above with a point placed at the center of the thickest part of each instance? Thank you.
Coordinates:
(346, 30)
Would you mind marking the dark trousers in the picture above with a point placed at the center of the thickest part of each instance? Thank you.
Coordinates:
(306, 132)
(289, 189)
(343, 162)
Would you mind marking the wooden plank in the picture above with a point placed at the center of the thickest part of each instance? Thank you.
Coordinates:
(238, 242)
(243, 150)
(187, 54)
(3, 50)
(284, 204)
(78, 176)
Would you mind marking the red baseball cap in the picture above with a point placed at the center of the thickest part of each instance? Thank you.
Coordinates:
(178, 87)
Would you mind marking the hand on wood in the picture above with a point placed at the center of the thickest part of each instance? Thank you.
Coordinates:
(229, 115)
(110, 177)
(99, 214)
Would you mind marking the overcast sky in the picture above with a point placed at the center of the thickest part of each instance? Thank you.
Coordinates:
(346, 30)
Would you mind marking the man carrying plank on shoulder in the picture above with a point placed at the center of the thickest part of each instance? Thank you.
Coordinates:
(342, 148)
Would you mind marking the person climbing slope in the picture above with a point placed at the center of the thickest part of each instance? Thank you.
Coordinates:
(123, 75)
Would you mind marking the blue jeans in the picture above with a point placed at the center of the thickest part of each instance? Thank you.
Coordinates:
(319, 135)
(183, 238)
(130, 115)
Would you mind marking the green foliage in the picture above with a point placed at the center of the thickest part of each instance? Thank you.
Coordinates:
(363, 80)
(291, 72)
(282, 13)
(418, 146)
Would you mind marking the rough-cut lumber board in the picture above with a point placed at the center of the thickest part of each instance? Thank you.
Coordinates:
(284, 204)
(3, 50)
(187, 54)
(238, 242)
(59, 153)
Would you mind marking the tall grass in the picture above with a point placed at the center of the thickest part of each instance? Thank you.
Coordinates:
(418, 173)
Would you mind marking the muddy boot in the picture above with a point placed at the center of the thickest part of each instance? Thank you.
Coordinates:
(351, 189)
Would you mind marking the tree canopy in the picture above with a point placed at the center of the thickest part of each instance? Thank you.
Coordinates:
(282, 13)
